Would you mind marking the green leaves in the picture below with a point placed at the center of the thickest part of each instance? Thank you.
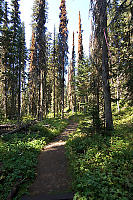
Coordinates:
(102, 165)
(19, 152)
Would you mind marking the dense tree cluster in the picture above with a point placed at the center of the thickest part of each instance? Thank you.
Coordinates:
(111, 54)
(13, 55)
(95, 82)
(38, 68)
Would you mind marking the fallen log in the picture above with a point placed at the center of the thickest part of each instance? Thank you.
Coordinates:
(22, 127)
(15, 190)
(7, 126)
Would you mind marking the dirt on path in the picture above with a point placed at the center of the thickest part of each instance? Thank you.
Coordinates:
(52, 170)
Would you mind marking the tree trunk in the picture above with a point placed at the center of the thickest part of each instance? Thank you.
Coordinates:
(54, 91)
(105, 71)
(19, 92)
(54, 72)
(6, 92)
(12, 109)
(97, 95)
(118, 96)
(62, 100)
(41, 96)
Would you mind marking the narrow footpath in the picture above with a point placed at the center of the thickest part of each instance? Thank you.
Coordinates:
(53, 181)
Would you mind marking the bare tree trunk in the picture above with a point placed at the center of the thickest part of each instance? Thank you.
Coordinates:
(118, 107)
(44, 97)
(54, 72)
(69, 87)
(41, 96)
(5, 90)
(105, 71)
(57, 108)
(13, 109)
(62, 90)
(19, 93)
(54, 92)
(97, 95)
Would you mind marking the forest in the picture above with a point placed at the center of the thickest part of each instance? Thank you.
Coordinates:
(42, 91)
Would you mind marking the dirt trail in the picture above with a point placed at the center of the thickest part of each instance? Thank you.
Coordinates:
(52, 170)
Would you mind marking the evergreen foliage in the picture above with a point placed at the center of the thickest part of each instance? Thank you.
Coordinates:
(38, 68)
(13, 60)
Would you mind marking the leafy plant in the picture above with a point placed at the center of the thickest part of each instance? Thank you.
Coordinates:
(102, 165)
(19, 152)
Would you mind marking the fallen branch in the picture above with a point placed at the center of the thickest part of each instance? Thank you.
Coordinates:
(14, 190)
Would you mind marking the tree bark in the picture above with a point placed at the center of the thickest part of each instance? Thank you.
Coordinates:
(54, 72)
(40, 116)
(105, 71)
(62, 100)
(19, 89)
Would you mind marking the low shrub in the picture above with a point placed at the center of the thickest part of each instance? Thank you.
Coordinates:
(19, 152)
(102, 166)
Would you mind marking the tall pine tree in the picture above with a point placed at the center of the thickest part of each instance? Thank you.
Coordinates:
(38, 57)
(63, 50)
(15, 28)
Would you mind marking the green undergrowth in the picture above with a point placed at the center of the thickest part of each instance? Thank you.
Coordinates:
(19, 152)
(102, 166)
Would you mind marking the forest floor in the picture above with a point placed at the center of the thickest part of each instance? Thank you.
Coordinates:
(53, 180)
